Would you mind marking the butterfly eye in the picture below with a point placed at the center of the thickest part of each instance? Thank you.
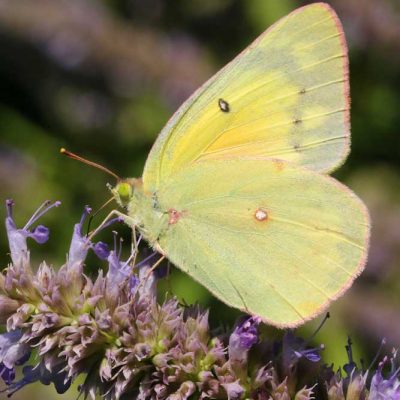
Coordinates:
(223, 105)
(123, 192)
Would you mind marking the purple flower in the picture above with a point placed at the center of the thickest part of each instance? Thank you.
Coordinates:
(12, 351)
(118, 271)
(8, 307)
(133, 282)
(41, 373)
(389, 388)
(234, 390)
(243, 338)
(40, 234)
(294, 348)
(17, 237)
(122, 271)
(312, 355)
(101, 250)
(81, 243)
(7, 374)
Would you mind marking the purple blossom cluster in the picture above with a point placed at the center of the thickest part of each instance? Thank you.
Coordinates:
(60, 324)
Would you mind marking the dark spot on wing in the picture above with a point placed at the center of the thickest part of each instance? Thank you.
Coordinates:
(223, 105)
(302, 91)
(297, 121)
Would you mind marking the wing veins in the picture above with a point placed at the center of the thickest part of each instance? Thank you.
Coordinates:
(269, 238)
(301, 261)
(279, 73)
(204, 151)
(321, 21)
(215, 113)
(328, 231)
(286, 150)
(329, 259)
(323, 15)
(205, 272)
(273, 100)
(233, 195)
(319, 41)
(287, 221)
(269, 284)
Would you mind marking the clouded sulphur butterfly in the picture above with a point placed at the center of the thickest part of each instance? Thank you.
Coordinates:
(235, 192)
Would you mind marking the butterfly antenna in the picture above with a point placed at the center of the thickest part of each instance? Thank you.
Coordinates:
(91, 163)
(96, 212)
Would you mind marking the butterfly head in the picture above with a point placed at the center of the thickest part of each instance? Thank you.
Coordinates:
(124, 190)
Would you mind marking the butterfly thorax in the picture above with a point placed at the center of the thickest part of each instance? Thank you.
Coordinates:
(144, 212)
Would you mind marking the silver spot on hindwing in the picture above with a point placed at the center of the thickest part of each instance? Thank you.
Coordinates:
(261, 214)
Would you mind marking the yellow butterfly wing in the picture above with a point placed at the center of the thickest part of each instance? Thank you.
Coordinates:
(267, 237)
(286, 96)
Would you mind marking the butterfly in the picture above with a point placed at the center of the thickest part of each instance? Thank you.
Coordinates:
(235, 191)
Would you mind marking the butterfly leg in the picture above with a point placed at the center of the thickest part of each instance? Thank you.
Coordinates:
(150, 271)
(125, 218)
(135, 244)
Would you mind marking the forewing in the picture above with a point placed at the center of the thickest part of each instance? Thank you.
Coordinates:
(286, 96)
(266, 237)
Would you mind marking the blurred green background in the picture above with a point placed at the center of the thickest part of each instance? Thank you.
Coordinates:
(102, 77)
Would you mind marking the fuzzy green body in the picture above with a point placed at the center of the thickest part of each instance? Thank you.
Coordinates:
(144, 211)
